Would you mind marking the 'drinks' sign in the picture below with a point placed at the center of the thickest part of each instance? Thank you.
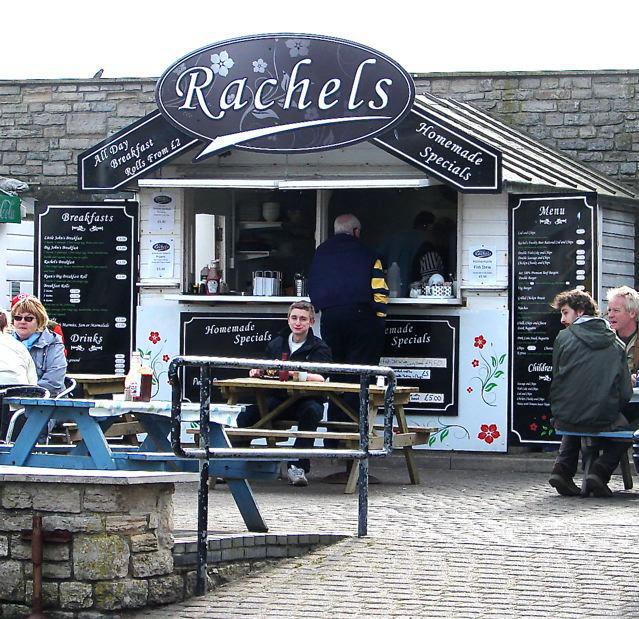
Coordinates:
(284, 93)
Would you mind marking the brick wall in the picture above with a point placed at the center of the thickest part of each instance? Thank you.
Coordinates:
(591, 116)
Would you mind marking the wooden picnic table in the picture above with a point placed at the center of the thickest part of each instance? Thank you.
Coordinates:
(234, 388)
(94, 417)
(99, 384)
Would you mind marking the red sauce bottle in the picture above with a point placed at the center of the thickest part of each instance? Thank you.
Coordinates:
(284, 374)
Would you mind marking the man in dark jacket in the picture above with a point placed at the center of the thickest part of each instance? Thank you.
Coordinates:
(590, 386)
(346, 283)
(299, 343)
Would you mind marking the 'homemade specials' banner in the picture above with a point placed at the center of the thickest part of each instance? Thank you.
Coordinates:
(458, 159)
(553, 240)
(86, 272)
(225, 335)
(424, 352)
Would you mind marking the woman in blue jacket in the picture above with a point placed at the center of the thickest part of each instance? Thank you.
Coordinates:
(30, 320)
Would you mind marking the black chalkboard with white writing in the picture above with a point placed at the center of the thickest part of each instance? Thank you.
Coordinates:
(86, 273)
(225, 335)
(553, 240)
(424, 352)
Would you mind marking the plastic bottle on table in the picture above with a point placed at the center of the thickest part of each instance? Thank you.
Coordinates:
(284, 374)
(213, 278)
(146, 379)
(394, 280)
(132, 382)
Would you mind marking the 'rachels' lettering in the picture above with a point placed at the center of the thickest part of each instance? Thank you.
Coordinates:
(193, 85)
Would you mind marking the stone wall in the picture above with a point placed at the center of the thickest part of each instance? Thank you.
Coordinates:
(120, 555)
(591, 116)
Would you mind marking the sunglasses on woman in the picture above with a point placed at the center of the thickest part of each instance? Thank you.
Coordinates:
(18, 318)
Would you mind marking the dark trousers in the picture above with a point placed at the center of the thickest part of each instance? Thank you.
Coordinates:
(307, 413)
(356, 336)
(604, 465)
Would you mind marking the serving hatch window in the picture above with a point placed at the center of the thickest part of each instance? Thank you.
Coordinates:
(414, 228)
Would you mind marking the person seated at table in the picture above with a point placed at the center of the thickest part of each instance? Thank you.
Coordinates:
(299, 342)
(16, 365)
(590, 385)
(30, 320)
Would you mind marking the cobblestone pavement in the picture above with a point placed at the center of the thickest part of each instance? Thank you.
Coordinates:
(465, 543)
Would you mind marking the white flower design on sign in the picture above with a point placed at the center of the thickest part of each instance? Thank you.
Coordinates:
(259, 66)
(297, 47)
(221, 63)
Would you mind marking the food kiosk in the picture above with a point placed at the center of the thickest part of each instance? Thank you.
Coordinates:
(513, 221)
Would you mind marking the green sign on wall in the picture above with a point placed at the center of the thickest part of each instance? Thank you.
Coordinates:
(9, 209)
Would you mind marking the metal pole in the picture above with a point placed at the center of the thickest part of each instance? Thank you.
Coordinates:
(362, 520)
(203, 489)
(36, 559)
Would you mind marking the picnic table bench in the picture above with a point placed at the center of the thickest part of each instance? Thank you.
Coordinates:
(590, 452)
(272, 425)
(94, 417)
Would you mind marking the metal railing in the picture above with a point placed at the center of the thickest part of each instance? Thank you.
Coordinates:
(205, 452)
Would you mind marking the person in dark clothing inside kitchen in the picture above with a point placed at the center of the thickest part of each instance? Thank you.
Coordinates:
(347, 284)
(299, 343)
(590, 385)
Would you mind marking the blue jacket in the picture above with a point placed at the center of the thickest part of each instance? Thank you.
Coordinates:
(47, 353)
(345, 272)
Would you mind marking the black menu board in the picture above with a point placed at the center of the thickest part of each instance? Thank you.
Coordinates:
(424, 352)
(225, 335)
(86, 273)
(553, 240)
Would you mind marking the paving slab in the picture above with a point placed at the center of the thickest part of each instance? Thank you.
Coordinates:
(465, 543)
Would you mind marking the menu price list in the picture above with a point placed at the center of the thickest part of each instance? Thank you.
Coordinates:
(86, 257)
(424, 352)
(553, 248)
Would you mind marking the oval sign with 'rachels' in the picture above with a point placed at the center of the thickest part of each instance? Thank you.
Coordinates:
(284, 93)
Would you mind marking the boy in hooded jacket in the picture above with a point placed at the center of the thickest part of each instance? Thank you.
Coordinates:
(299, 342)
(590, 386)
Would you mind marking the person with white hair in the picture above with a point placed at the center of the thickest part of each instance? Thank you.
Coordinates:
(16, 365)
(623, 314)
(346, 283)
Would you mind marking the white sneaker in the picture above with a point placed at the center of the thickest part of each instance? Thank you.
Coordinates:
(296, 476)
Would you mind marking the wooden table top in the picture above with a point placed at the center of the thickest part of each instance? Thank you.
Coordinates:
(335, 387)
(97, 378)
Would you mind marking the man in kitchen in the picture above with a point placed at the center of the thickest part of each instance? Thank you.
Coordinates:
(347, 284)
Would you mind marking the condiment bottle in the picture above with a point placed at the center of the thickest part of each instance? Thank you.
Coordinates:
(146, 379)
(213, 279)
(132, 382)
(394, 280)
(284, 374)
(204, 273)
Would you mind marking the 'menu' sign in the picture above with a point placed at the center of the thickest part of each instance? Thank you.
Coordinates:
(284, 93)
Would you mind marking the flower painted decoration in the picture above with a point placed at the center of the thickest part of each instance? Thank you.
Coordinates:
(475, 362)
(221, 63)
(480, 342)
(488, 433)
(469, 389)
(297, 47)
(154, 337)
(259, 66)
(165, 358)
(533, 427)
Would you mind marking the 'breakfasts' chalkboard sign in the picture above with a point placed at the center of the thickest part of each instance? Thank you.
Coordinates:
(86, 272)
(552, 249)
(424, 352)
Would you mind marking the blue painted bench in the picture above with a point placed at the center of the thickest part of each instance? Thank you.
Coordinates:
(590, 451)
(94, 417)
